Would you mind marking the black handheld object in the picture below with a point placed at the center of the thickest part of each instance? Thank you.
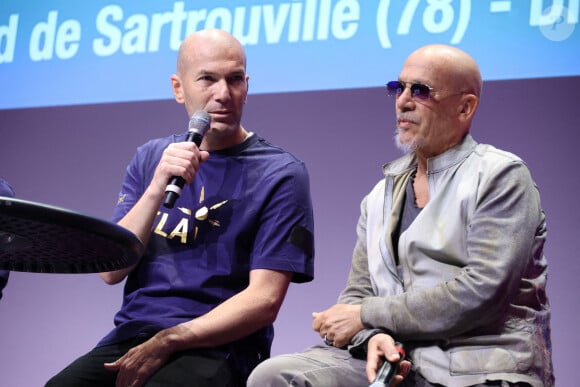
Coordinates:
(198, 126)
(388, 369)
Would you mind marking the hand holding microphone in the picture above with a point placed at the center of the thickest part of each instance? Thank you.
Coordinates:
(389, 369)
(199, 124)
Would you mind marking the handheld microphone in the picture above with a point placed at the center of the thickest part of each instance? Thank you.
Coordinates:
(388, 369)
(198, 126)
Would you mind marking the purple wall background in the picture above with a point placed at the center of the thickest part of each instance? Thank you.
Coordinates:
(75, 157)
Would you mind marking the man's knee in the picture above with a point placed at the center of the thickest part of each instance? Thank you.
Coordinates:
(268, 373)
(65, 379)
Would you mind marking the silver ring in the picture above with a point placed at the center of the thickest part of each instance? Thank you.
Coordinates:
(328, 342)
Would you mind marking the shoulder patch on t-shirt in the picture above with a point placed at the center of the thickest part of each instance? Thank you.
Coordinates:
(303, 239)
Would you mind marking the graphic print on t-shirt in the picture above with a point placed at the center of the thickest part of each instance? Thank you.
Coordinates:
(204, 217)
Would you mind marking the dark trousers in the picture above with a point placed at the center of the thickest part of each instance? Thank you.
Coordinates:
(197, 367)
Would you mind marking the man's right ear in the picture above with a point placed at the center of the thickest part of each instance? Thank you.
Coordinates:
(177, 89)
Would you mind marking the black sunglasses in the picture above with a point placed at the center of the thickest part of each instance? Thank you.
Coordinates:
(419, 90)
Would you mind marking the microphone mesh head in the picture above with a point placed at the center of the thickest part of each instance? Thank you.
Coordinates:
(199, 122)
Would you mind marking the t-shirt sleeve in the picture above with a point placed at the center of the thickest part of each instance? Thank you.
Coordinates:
(285, 236)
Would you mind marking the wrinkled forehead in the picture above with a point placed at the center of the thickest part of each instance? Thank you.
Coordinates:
(418, 71)
(211, 52)
(435, 73)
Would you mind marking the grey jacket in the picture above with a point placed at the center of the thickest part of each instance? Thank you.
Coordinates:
(469, 296)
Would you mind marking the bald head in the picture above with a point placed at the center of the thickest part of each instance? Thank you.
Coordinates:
(207, 43)
(211, 76)
(450, 66)
(439, 122)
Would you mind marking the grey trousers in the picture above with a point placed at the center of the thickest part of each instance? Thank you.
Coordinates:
(317, 366)
(325, 366)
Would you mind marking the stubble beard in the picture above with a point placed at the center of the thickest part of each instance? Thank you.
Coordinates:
(407, 147)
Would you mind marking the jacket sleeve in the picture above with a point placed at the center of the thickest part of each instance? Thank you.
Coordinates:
(358, 286)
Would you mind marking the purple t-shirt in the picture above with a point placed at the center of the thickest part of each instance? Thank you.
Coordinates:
(249, 207)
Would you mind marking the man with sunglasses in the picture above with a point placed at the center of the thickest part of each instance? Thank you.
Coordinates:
(449, 258)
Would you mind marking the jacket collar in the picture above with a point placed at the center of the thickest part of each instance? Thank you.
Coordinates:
(440, 162)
